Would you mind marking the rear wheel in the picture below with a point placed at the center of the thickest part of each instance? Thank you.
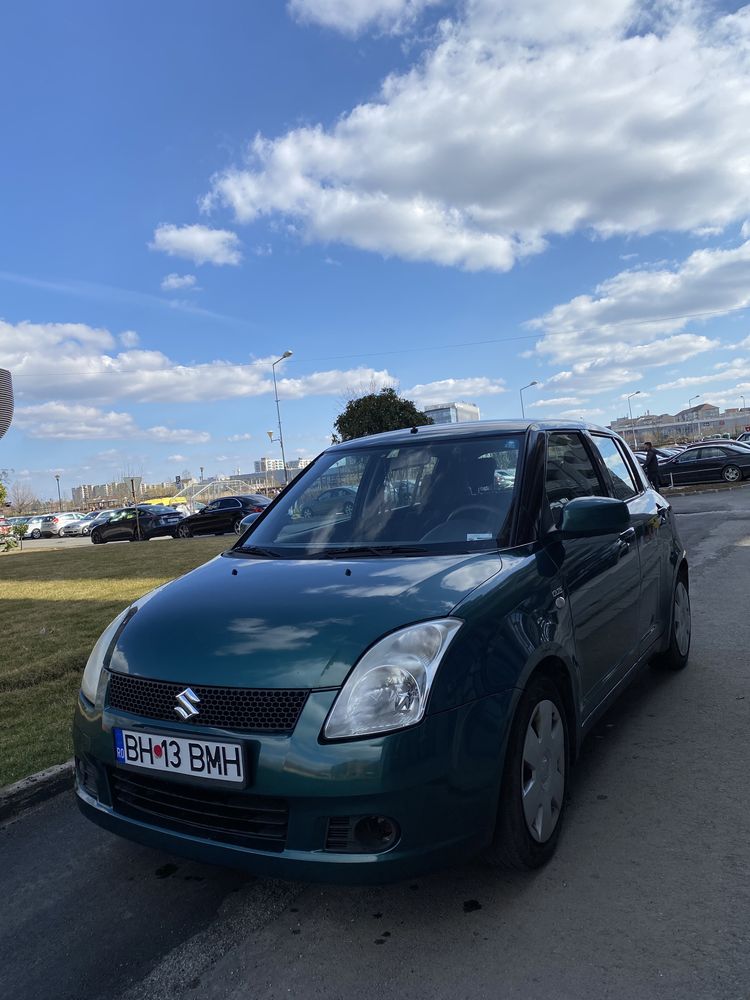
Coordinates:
(183, 531)
(307, 512)
(36, 533)
(676, 655)
(238, 529)
(348, 508)
(532, 797)
(731, 474)
(59, 532)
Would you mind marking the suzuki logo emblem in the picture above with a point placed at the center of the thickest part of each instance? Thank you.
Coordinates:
(186, 702)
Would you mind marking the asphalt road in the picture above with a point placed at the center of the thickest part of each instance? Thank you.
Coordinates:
(648, 896)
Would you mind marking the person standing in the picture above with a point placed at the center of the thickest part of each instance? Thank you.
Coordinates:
(652, 465)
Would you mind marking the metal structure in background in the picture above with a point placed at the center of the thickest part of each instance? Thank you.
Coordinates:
(6, 400)
(286, 354)
(630, 408)
(206, 492)
(520, 393)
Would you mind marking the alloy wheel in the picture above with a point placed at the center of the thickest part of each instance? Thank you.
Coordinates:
(183, 531)
(543, 770)
(732, 474)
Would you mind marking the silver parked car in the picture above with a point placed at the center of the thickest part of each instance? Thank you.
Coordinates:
(34, 526)
(82, 526)
(53, 524)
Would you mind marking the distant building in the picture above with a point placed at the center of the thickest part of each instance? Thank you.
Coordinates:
(119, 492)
(690, 424)
(266, 464)
(297, 463)
(452, 413)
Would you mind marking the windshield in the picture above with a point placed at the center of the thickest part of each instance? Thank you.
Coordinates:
(426, 497)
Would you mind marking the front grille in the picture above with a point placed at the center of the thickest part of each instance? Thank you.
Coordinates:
(260, 710)
(228, 817)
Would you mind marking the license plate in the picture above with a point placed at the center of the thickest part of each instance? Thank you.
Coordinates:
(176, 755)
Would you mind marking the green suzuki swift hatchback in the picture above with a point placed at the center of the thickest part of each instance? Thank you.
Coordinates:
(366, 690)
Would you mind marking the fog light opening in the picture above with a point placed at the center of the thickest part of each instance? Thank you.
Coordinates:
(376, 833)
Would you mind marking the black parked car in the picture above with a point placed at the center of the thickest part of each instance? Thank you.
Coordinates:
(136, 524)
(222, 516)
(705, 463)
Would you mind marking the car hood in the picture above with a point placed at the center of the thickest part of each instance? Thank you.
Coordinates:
(287, 623)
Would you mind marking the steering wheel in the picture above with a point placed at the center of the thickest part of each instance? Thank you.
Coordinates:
(472, 508)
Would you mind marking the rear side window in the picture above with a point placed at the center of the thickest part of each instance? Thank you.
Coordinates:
(621, 483)
(570, 473)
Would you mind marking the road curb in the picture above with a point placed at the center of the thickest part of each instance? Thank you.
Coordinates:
(675, 491)
(28, 792)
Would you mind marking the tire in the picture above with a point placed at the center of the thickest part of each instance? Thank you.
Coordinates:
(525, 836)
(676, 655)
(96, 538)
(731, 474)
(348, 508)
(238, 530)
(307, 512)
(59, 533)
(36, 533)
(183, 531)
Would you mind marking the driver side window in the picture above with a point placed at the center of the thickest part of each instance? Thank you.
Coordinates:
(570, 473)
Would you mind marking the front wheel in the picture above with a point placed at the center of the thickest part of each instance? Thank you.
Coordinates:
(532, 797)
(307, 512)
(238, 529)
(183, 531)
(96, 538)
(676, 655)
(36, 533)
(731, 474)
(348, 508)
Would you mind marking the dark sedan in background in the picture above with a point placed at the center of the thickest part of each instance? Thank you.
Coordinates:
(136, 524)
(222, 516)
(707, 463)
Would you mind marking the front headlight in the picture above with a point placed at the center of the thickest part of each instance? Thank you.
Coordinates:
(92, 673)
(389, 687)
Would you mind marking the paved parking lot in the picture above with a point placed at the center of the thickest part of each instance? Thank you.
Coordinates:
(647, 898)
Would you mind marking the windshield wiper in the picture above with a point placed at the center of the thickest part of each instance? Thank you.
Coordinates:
(368, 550)
(256, 550)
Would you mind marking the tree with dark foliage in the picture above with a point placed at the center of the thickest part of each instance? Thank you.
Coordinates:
(377, 412)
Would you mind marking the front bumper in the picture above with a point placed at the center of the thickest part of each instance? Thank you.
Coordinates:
(439, 782)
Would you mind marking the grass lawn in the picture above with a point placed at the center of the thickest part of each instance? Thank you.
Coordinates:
(53, 606)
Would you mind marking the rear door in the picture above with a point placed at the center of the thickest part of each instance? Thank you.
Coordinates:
(649, 515)
(601, 575)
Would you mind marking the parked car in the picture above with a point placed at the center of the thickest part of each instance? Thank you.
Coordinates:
(707, 463)
(335, 501)
(136, 524)
(81, 526)
(34, 526)
(221, 516)
(53, 524)
(5, 526)
(745, 436)
(366, 698)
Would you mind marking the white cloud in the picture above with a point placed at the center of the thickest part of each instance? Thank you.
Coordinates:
(85, 371)
(77, 422)
(173, 281)
(177, 458)
(240, 437)
(201, 244)
(454, 389)
(129, 338)
(353, 16)
(555, 402)
(647, 304)
(609, 118)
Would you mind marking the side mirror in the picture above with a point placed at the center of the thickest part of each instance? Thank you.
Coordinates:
(586, 517)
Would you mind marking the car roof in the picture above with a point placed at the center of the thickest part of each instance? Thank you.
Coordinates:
(469, 429)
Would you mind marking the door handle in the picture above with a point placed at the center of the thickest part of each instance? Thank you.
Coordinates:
(627, 536)
(662, 512)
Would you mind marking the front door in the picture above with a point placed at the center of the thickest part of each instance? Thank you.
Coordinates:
(601, 575)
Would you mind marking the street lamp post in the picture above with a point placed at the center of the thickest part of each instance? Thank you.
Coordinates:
(630, 410)
(690, 404)
(743, 401)
(286, 354)
(57, 480)
(520, 393)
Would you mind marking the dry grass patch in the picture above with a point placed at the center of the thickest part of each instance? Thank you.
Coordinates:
(53, 606)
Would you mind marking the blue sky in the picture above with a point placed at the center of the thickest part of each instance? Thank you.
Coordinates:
(459, 198)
